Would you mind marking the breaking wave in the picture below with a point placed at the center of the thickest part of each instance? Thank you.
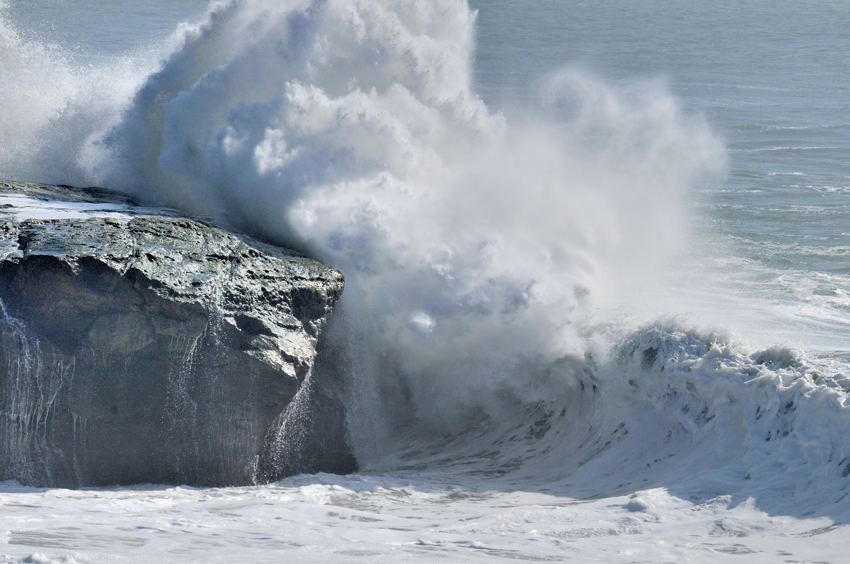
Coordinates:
(479, 248)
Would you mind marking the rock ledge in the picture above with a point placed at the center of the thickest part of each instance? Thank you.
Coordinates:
(137, 345)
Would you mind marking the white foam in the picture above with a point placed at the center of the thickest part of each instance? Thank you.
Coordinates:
(383, 519)
(482, 256)
(23, 207)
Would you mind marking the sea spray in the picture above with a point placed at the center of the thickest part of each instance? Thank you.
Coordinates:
(472, 243)
(661, 443)
(53, 108)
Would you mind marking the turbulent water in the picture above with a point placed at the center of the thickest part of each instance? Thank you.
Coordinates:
(597, 302)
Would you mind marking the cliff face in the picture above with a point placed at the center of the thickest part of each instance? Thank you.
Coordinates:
(140, 346)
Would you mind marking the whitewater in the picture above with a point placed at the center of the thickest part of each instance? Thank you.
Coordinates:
(597, 297)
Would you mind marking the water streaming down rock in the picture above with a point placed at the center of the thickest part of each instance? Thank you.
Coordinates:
(140, 346)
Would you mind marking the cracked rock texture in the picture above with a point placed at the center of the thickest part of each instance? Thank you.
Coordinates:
(137, 345)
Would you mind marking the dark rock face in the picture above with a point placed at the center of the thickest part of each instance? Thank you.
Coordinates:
(140, 346)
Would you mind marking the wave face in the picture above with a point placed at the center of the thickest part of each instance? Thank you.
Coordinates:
(478, 248)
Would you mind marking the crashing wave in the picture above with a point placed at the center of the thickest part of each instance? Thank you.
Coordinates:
(478, 247)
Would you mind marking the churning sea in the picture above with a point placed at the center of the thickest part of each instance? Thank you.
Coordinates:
(706, 150)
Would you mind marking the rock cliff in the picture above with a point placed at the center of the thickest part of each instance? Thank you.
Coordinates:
(137, 345)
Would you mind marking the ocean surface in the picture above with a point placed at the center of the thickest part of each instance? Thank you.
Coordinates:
(597, 260)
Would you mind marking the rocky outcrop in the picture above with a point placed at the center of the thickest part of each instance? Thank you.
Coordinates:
(137, 345)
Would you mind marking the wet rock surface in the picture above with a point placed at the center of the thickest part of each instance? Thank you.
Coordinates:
(137, 345)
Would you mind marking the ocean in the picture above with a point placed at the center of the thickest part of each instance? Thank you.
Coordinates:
(597, 300)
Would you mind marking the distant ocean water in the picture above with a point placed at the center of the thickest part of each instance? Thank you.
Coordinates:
(599, 253)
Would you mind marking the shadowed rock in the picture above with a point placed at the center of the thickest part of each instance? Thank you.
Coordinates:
(140, 346)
